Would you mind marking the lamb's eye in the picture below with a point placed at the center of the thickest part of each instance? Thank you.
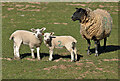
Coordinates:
(45, 35)
(35, 31)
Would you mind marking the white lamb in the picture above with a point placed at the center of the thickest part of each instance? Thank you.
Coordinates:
(33, 39)
(60, 42)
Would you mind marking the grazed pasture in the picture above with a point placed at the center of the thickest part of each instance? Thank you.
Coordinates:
(56, 17)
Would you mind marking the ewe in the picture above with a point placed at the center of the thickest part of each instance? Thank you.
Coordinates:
(94, 25)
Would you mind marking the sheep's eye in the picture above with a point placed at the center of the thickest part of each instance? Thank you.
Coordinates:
(45, 35)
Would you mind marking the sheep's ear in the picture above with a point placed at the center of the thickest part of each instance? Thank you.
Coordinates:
(76, 8)
(42, 33)
(43, 29)
(32, 29)
(52, 33)
(88, 10)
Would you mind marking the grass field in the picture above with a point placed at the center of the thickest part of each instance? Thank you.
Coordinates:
(56, 17)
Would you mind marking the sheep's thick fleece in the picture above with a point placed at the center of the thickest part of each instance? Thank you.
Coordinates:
(62, 41)
(99, 25)
(26, 37)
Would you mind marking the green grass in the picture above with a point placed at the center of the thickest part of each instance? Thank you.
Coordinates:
(88, 67)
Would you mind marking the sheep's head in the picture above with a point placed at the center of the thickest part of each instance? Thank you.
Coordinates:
(38, 32)
(48, 36)
(79, 14)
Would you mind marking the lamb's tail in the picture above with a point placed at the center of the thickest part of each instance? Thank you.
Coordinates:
(11, 37)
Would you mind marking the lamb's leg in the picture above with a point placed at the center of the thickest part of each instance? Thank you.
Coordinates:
(96, 47)
(75, 52)
(32, 53)
(14, 47)
(38, 53)
(72, 55)
(17, 55)
(51, 52)
(89, 44)
(105, 39)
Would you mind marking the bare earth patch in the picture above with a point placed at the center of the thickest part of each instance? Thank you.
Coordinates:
(30, 59)
(58, 23)
(77, 4)
(79, 64)
(9, 59)
(34, 2)
(111, 60)
(10, 8)
(61, 59)
(99, 69)
(56, 67)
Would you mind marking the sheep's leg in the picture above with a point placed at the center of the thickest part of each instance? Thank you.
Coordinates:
(96, 47)
(105, 39)
(32, 53)
(89, 44)
(38, 53)
(51, 52)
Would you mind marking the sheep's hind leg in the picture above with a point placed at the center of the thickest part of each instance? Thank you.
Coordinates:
(89, 44)
(97, 43)
(104, 47)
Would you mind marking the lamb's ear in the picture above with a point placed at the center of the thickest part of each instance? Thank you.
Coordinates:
(52, 33)
(32, 29)
(43, 29)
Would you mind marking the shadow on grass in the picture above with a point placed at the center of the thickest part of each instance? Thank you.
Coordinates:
(55, 56)
(109, 48)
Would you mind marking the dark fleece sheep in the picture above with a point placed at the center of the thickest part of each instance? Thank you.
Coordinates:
(94, 25)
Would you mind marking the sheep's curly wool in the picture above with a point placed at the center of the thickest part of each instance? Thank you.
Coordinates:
(97, 24)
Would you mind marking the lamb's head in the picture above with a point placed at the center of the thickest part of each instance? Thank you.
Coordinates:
(38, 32)
(79, 14)
(48, 36)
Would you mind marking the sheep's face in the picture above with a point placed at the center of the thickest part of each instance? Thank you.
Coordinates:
(47, 36)
(79, 14)
(38, 32)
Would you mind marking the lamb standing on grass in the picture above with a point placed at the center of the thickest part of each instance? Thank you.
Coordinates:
(59, 42)
(95, 25)
(33, 39)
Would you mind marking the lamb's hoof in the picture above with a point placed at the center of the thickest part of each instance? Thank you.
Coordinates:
(38, 58)
(16, 58)
(73, 61)
(96, 55)
(33, 57)
(50, 59)
(88, 53)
